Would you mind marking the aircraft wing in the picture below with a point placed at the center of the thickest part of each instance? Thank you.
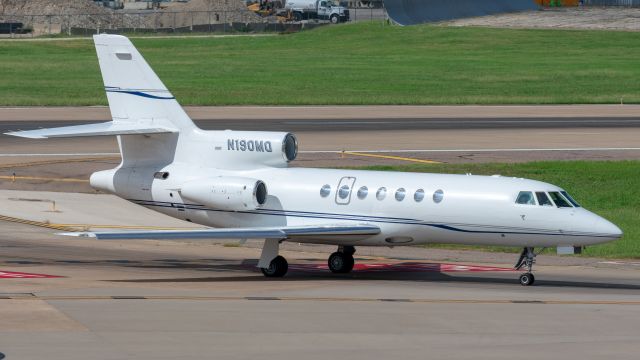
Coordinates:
(100, 129)
(287, 232)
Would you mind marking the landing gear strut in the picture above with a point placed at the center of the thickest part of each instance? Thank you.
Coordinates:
(271, 264)
(527, 258)
(341, 261)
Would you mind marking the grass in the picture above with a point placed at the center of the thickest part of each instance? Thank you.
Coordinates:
(609, 188)
(363, 63)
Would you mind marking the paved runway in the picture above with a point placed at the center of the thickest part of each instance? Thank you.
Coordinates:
(373, 124)
(449, 134)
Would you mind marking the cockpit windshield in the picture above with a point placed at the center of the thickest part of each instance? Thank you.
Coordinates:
(552, 198)
(559, 200)
(575, 203)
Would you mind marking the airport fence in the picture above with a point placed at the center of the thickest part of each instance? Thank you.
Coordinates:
(158, 21)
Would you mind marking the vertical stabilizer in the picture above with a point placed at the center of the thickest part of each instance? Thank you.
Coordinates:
(134, 91)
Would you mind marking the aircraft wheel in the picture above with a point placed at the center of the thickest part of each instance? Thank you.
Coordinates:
(527, 279)
(277, 268)
(341, 263)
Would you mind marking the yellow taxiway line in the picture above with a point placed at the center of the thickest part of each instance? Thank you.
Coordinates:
(37, 223)
(58, 161)
(15, 178)
(390, 157)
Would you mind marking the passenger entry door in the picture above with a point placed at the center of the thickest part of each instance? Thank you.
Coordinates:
(345, 188)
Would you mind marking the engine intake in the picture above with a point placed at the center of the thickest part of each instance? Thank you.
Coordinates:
(227, 193)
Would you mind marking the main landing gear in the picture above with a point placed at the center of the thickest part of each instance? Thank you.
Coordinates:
(527, 258)
(277, 267)
(273, 265)
(341, 261)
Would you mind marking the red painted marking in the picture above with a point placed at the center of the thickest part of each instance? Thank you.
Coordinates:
(21, 275)
(404, 267)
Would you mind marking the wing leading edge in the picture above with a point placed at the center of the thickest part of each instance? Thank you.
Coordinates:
(100, 129)
(290, 232)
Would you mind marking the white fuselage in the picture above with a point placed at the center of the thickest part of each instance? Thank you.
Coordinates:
(471, 209)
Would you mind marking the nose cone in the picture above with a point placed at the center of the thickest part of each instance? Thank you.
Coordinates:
(600, 230)
(607, 228)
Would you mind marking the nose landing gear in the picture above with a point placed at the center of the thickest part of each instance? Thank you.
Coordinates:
(341, 261)
(527, 258)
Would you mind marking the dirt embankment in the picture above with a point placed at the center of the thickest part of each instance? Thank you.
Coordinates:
(592, 18)
(56, 16)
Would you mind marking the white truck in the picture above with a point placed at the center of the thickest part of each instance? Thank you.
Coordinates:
(317, 9)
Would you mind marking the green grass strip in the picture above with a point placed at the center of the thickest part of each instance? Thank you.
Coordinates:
(609, 188)
(364, 63)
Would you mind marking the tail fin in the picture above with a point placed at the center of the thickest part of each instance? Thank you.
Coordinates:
(134, 91)
(141, 107)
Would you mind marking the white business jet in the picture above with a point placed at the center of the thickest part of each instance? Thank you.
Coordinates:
(239, 185)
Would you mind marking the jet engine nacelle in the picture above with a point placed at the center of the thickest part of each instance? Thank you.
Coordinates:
(226, 193)
(247, 149)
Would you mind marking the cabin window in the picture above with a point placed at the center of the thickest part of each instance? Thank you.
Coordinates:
(560, 201)
(525, 198)
(363, 192)
(325, 191)
(438, 196)
(382, 193)
(400, 194)
(568, 197)
(419, 195)
(543, 199)
(344, 191)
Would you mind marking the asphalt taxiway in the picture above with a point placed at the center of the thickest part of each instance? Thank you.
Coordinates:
(345, 136)
(194, 300)
(77, 298)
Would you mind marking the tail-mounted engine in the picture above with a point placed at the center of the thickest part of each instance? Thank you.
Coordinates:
(226, 193)
(242, 149)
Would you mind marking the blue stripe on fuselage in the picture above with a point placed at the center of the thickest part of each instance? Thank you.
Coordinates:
(375, 219)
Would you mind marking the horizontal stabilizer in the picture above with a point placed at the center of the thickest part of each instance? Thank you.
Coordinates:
(237, 233)
(101, 129)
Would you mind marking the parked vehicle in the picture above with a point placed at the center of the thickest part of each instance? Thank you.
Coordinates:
(317, 9)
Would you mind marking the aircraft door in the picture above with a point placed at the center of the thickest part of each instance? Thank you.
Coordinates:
(345, 188)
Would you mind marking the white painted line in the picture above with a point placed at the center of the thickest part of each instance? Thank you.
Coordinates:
(464, 150)
(361, 151)
(457, 121)
(74, 154)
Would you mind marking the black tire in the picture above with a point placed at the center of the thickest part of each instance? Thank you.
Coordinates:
(527, 279)
(340, 263)
(297, 16)
(277, 268)
(334, 19)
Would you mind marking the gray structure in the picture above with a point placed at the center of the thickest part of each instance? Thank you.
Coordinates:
(634, 3)
(411, 12)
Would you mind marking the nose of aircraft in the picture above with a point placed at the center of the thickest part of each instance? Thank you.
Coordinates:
(602, 229)
(607, 227)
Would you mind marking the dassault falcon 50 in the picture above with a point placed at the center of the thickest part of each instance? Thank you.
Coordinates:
(238, 184)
